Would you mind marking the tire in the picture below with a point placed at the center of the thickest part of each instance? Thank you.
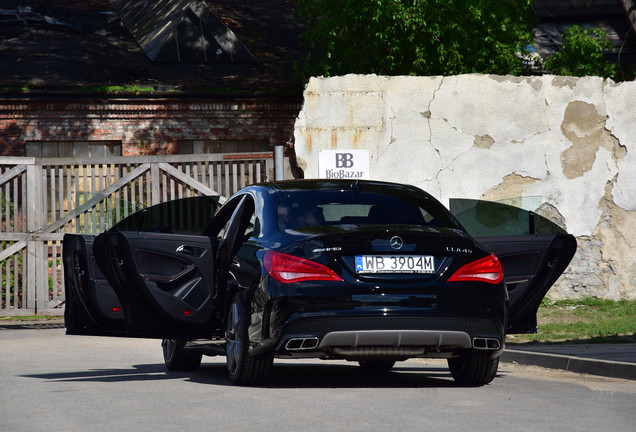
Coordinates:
(178, 359)
(475, 369)
(242, 368)
(377, 365)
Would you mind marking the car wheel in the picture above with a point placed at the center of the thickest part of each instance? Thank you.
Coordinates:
(475, 369)
(377, 365)
(177, 358)
(242, 368)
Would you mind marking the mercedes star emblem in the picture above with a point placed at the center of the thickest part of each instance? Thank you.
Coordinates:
(396, 242)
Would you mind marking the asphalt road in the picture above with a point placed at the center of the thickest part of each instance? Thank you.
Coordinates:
(52, 382)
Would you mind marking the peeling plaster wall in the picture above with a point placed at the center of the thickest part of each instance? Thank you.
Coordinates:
(570, 141)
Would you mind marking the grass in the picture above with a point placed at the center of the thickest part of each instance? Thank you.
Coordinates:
(587, 320)
(30, 318)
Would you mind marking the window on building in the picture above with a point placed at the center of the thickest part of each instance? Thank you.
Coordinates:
(60, 149)
(223, 146)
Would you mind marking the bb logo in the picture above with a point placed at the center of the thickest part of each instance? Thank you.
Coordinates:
(344, 160)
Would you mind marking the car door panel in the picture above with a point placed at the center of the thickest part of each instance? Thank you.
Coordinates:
(166, 290)
(229, 228)
(92, 307)
(153, 275)
(531, 265)
(533, 252)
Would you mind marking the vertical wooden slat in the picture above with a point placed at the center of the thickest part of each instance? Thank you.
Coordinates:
(219, 176)
(51, 192)
(235, 183)
(5, 289)
(226, 179)
(93, 191)
(116, 196)
(212, 176)
(172, 188)
(164, 189)
(84, 221)
(60, 196)
(44, 205)
(241, 176)
(195, 175)
(76, 198)
(124, 172)
(148, 188)
(53, 270)
(17, 273)
(154, 185)
(69, 197)
(103, 205)
(257, 174)
(4, 217)
(4, 268)
(184, 168)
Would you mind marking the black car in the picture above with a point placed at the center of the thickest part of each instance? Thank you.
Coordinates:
(365, 271)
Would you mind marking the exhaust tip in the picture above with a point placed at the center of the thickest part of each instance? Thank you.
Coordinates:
(301, 344)
(486, 344)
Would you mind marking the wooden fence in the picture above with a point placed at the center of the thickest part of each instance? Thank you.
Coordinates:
(42, 199)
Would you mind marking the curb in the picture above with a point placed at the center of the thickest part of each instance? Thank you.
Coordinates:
(610, 369)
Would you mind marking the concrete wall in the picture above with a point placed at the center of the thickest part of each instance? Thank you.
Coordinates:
(569, 141)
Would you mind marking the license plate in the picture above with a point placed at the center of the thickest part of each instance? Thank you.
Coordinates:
(395, 264)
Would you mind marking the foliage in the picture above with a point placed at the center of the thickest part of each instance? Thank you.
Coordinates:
(582, 54)
(585, 320)
(415, 37)
(118, 89)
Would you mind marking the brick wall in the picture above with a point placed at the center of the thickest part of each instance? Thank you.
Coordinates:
(144, 126)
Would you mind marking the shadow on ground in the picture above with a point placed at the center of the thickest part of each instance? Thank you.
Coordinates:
(284, 375)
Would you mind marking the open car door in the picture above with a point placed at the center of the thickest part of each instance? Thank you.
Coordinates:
(151, 275)
(533, 252)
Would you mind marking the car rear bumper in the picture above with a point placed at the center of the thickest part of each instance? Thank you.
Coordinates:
(400, 337)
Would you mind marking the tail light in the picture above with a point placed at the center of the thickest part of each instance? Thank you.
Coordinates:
(487, 269)
(288, 269)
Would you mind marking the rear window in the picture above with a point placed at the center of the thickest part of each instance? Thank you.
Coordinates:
(332, 208)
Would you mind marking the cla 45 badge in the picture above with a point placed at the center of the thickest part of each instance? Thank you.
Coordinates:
(458, 250)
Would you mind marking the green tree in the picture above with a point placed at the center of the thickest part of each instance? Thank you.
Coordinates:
(415, 37)
(582, 53)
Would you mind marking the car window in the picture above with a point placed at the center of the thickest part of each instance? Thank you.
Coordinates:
(223, 219)
(182, 216)
(493, 219)
(328, 208)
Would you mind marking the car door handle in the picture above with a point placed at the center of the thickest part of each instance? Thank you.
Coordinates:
(189, 250)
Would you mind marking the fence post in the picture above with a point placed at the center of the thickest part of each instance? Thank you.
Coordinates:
(155, 195)
(278, 163)
(36, 287)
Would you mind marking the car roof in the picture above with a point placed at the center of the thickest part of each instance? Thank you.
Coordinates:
(316, 184)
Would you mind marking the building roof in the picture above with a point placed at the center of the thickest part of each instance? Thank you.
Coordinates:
(63, 45)
(53, 46)
(616, 17)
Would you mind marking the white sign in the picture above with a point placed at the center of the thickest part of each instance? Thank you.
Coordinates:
(343, 164)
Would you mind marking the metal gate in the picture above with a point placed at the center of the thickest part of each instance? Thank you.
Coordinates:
(42, 199)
